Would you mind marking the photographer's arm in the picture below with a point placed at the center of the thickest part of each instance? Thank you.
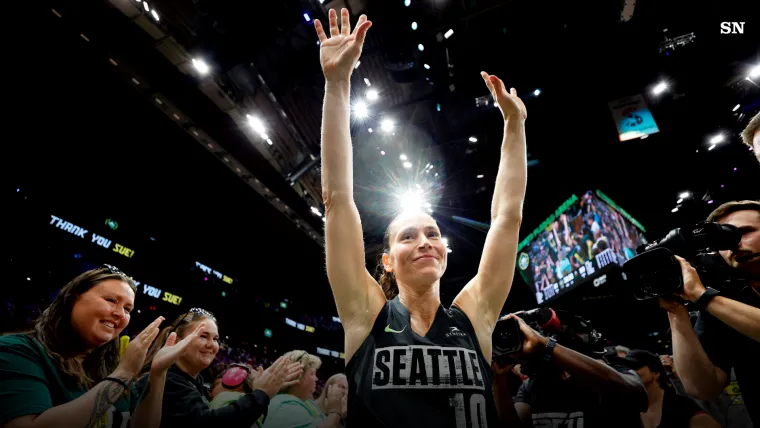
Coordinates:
(503, 397)
(700, 378)
(596, 374)
(741, 317)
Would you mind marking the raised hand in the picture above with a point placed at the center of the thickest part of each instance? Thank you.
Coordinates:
(339, 53)
(281, 374)
(172, 350)
(334, 399)
(134, 357)
(510, 104)
(533, 341)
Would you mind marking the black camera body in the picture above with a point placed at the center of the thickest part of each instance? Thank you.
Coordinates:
(655, 272)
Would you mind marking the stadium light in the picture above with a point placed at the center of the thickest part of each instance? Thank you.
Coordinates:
(201, 66)
(414, 25)
(367, 82)
(386, 125)
(660, 88)
(480, 176)
(407, 165)
(754, 73)
(736, 107)
(717, 139)
(427, 67)
(316, 211)
(357, 64)
(410, 201)
(674, 210)
(382, 152)
(403, 158)
(420, 47)
(684, 195)
(449, 33)
(370, 130)
(537, 92)
(360, 110)
(407, 3)
(155, 14)
(473, 140)
(679, 201)
(256, 124)
(306, 17)
(147, 8)
(372, 95)
(269, 140)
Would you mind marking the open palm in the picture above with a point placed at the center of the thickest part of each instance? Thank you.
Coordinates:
(339, 53)
(509, 103)
(172, 350)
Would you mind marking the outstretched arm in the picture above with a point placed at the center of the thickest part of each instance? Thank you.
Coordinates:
(483, 298)
(348, 276)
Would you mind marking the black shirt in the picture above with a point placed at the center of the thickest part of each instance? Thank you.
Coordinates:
(677, 410)
(727, 348)
(186, 404)
(400, 379)
(570, 403)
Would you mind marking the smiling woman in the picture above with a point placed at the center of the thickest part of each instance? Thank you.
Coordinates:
(68, 371)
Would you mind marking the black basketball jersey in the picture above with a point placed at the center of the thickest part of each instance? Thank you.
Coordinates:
(400, 379)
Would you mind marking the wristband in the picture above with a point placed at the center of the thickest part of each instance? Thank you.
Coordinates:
(119, 381)
(704, 299)
(549, 352)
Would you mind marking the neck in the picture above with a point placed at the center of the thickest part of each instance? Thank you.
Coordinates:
(302, 395)
(185, 368)
(655, 393)
(422, 305)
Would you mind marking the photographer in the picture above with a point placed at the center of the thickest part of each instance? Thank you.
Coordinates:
(727, 332)
(573, 389)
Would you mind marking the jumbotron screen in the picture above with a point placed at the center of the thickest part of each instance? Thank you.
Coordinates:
(584, 237)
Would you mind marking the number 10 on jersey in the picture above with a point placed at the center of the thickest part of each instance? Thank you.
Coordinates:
(476, 409)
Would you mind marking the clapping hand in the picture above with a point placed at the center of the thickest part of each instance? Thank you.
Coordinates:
(339, 53)
(510, 104)
(171, 351)
(132, 360)
(281, 374)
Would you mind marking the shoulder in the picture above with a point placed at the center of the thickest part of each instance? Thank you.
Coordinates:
(18, 348)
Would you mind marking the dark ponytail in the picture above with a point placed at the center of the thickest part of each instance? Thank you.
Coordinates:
(387, 280)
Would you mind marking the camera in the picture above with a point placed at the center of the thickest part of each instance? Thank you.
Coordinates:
(655, 272)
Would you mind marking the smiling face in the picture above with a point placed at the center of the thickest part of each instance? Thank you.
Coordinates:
(201, 351)
(100, 314)
(417, 255)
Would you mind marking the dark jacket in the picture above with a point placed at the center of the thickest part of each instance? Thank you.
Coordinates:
(186, 404)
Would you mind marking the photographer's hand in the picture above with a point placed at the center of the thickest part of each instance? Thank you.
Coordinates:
(533, 341)
(692, 285)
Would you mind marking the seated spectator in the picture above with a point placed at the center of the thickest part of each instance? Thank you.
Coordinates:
(295, 407)
(339, 381)
(666, 408)
(68, 371)
(186, 402)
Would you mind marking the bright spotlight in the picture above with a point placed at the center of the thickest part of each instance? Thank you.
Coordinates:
(382, 152)
(410, 201)
(445, 241)
(414, 25)
(360, 110)
(537, 92)
(201, 66)
(306, 17)
(480, 175)
(674, 210)
(473, 140)
(357, 64)
(269, 141)
(386, 125)
(754, 73)
(717, 139)
(660, 88)
(370, 130)
(711, 147)
(679, 201)
(155, 15)
(407, 165)
(316, 211)
(427, 67)
(407, 3)
(736, 107)
(147, 8)
(366, 81)
(256, 124)
(684, 195)
(403, 157)
(420, 47)
(372, 95)
(449, 33)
